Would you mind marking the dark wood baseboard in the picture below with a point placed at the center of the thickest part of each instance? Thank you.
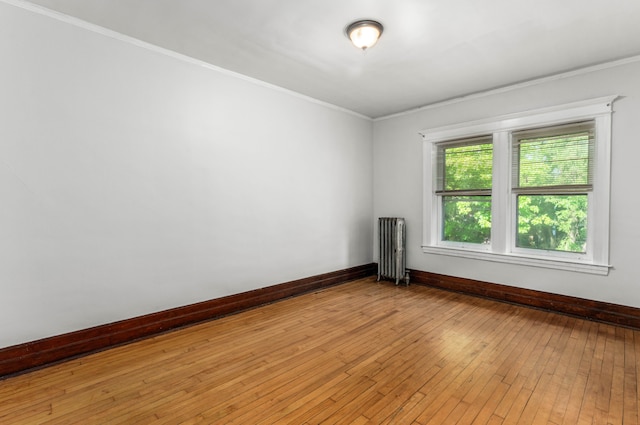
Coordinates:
(30, 355)
(588, 309)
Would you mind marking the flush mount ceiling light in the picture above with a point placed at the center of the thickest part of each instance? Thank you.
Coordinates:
(364, 34)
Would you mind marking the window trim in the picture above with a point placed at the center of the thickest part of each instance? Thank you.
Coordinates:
(501, 249)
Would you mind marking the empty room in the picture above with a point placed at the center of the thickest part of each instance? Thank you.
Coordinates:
(319, 212)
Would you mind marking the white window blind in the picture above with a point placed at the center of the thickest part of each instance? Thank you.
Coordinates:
(555, 159)
(465, 166)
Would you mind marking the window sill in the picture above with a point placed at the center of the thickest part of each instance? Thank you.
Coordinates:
(558, 264)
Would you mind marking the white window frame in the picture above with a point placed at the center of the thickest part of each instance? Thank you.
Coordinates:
(502, 247)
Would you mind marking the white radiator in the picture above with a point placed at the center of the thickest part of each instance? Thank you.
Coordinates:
(392, 263)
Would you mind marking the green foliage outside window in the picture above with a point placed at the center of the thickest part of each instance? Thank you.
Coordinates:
(467, 219)
(552, 222)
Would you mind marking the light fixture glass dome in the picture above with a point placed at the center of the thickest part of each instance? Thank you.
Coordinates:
(364, 34)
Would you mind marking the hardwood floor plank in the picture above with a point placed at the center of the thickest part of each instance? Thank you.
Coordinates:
(401, 415)
(557, 369)
(493, 401)
(636, 342)
(631, 390)
(568, 370)
(488, 390)
(578, 388)
(509, 399)
(364, 352)
(615, 406)
(594, 378)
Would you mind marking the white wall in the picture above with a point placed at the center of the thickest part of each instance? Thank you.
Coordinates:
(133, 181)
(398, 181)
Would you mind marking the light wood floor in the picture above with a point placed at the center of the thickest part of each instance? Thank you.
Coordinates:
(359, 353)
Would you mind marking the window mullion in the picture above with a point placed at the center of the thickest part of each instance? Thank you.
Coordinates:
(500, 212)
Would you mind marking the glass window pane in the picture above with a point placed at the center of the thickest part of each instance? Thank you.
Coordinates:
(467, 219)
(554, 161)
(552, 222)
(468, 167)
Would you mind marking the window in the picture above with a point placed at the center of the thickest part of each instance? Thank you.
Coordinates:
(552, 179)
(530, 188)
(464, 186)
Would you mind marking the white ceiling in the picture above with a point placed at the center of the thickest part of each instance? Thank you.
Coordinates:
(431, 50)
